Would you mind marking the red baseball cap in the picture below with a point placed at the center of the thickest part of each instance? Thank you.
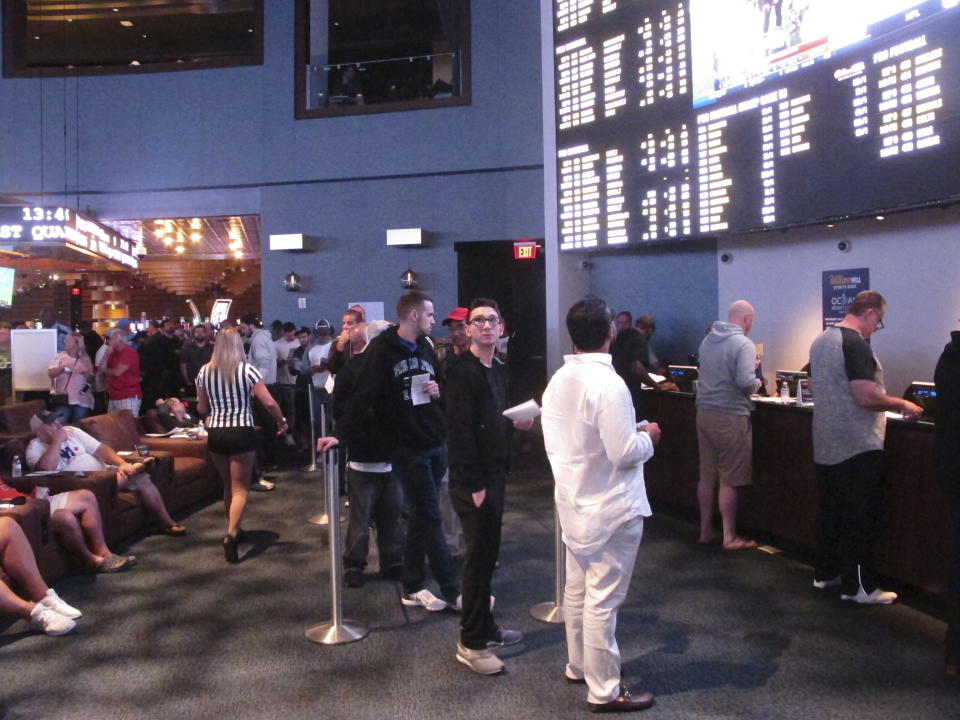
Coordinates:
(458, 314)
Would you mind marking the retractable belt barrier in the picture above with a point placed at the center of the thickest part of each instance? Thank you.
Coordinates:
(552, 612)
(338, 631)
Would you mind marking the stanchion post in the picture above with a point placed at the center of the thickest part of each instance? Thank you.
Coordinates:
(321, 518)
(552, 612)
(338, 631)
(312, 467)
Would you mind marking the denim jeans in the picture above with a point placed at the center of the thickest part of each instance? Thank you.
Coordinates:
(71, 413)
(373, 496)
(421, 471)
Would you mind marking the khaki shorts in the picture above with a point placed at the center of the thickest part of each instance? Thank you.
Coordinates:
(726, 448)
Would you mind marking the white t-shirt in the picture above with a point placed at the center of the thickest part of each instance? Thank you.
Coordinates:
(76, 452)
(284, 348)
(316, 355)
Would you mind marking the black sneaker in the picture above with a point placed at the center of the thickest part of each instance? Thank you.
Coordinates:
(353, 577)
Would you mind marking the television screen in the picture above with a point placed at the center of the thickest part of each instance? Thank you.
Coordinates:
(687, 118)
(7, 277)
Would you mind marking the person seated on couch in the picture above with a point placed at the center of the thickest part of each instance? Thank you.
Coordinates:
(44, 610)
(171, 413)
(69, 448)
(75, 520)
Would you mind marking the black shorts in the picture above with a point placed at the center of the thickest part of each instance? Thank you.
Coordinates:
(231, 441)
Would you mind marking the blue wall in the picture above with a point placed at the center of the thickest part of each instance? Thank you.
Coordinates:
(677, 284)
(226, 141)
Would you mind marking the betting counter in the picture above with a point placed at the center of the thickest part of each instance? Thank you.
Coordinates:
(780, 508)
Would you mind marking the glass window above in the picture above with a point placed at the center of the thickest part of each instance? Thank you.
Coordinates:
(370, 56)
(94, 37)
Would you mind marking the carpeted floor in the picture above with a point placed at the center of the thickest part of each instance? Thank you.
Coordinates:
(713, 634)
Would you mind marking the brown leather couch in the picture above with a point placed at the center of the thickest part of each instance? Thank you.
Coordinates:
(15, 420)
(183, 474)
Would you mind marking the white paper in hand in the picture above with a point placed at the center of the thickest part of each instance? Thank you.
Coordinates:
(418, 395)
(524, 411)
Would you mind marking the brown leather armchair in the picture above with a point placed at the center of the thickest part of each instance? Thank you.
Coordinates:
(183, 473)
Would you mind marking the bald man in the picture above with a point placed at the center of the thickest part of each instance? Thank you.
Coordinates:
(728, 362)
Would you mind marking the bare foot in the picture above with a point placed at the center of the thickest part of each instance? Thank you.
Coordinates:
(739, 544)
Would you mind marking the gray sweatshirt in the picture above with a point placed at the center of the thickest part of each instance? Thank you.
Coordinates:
(727, 370)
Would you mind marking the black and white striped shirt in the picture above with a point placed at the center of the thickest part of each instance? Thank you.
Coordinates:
(229, 396)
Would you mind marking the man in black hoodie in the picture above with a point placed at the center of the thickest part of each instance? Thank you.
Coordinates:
(373, 490)
(399, 383)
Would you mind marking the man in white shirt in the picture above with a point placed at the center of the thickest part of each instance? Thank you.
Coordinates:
(596, 452)
(69, 448)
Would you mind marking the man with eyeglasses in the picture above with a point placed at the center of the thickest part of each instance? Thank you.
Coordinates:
(478, 446)
(849, 426)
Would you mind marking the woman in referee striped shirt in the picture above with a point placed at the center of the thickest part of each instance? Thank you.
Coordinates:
(224, 388)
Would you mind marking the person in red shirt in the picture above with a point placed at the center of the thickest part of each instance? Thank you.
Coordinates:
(121, 364)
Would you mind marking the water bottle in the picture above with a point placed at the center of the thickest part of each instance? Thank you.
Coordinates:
(784, 392)
(17, 470)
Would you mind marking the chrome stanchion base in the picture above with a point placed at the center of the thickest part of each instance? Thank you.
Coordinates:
(319, 519)
(548, 612)
(337, 634)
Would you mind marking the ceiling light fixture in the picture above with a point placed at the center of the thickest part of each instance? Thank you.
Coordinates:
(180, 249)
(126, 23)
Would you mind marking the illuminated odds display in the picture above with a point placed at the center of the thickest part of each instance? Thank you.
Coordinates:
(686, 118)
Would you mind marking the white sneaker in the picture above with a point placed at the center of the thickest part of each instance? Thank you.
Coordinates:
(458, 605)
(877, 597)
(50, 621)
(480, 661)
(425, 599)
(55, 603)
(824, 584)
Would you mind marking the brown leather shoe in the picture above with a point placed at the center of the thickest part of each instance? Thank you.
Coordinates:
(625, 703)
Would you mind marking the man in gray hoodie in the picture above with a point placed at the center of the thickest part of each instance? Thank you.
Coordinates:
(728, 362)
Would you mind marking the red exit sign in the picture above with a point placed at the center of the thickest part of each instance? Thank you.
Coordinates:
(525, 250)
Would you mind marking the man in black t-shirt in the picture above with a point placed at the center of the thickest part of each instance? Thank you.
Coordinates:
(194, 356)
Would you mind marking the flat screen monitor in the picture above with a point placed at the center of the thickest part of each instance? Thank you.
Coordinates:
(791, 377)
(7, 278)
(684, 376)
(923, 394)
(220, 311)
(692, 118)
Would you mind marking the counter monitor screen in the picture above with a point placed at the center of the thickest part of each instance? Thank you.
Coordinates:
(684, 376)
(923, 394)
(791, 377)
(686, 118)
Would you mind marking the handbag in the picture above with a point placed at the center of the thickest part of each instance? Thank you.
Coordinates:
(60, 399)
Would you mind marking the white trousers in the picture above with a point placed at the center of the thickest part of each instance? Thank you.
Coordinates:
(595, 589)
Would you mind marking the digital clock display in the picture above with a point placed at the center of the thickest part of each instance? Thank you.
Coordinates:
(63, 226)
(685, 118)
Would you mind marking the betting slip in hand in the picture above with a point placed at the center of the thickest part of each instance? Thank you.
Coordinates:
(524, 411)
(418, 395)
